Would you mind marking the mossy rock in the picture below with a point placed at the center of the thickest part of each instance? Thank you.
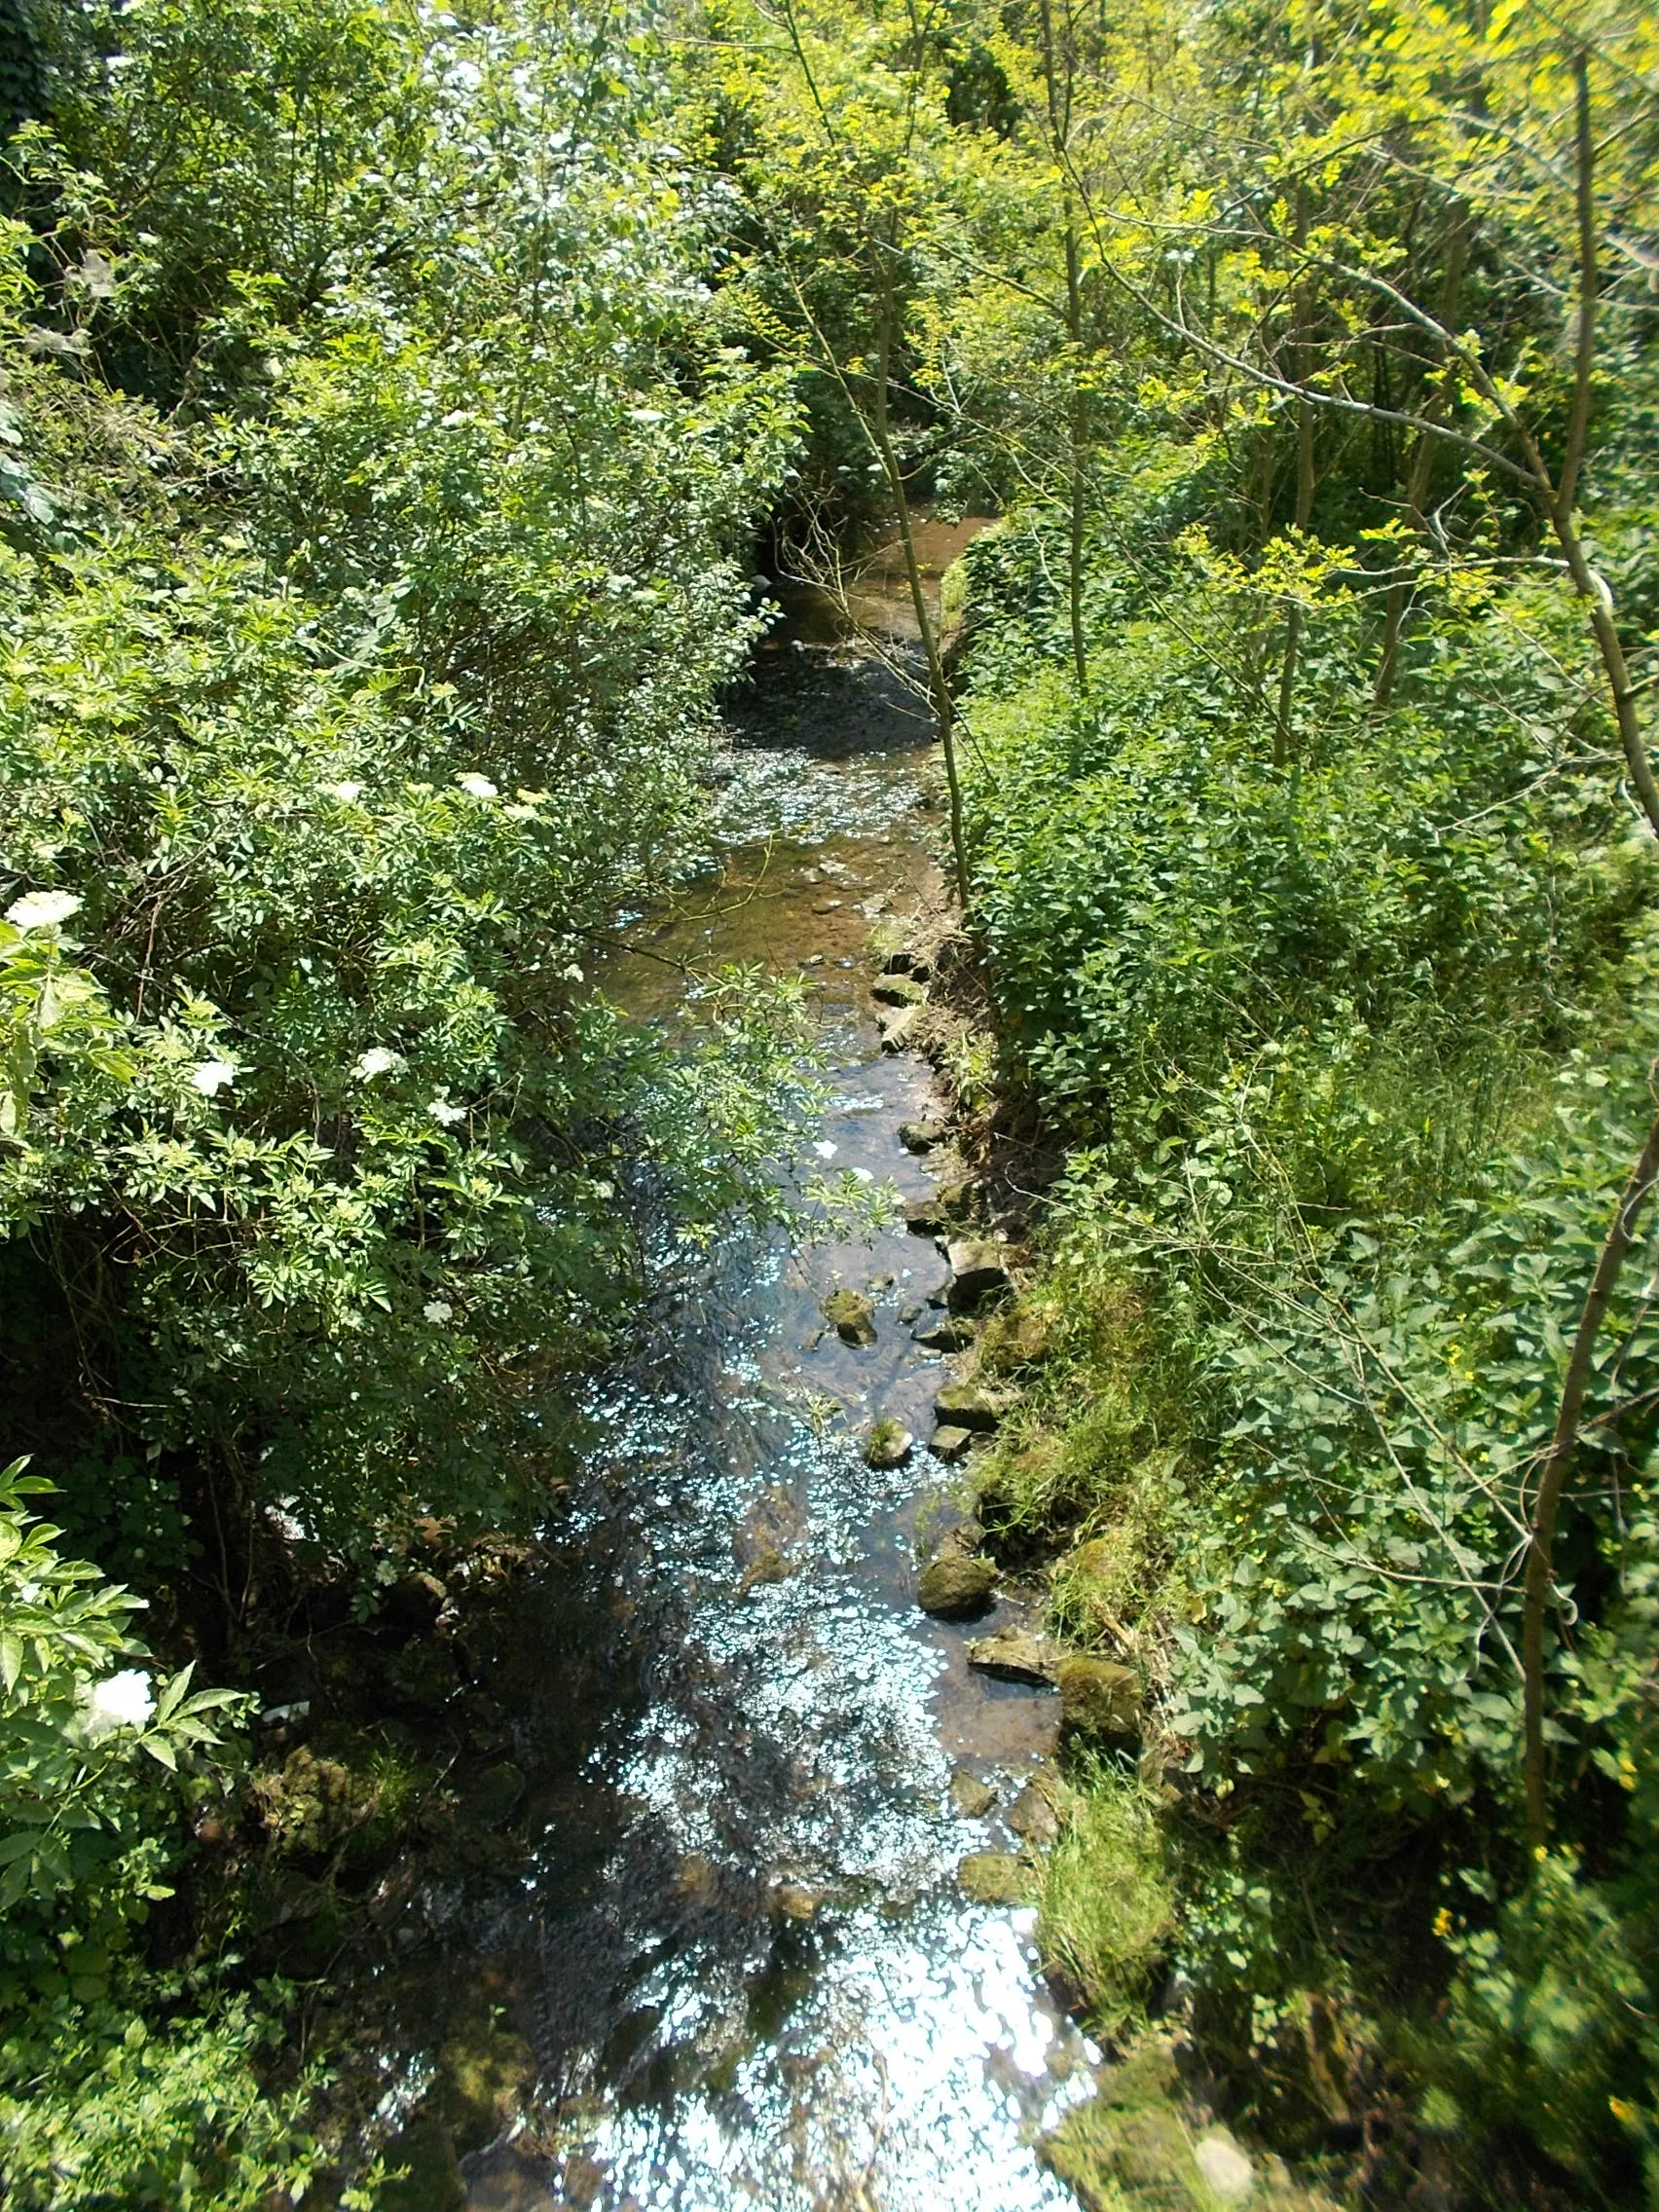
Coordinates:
(995, 1877)
(968, 1405)
(850, 1313)
(1100, 1698)
(955, 1588)
(970, 1798)
(1128, 2146)
(889, 1444)
(494, 1797)
(427, 2172)
(310, 1803)
(898, 990)
(422, 1677)
(951, 1443)
(484, 2074)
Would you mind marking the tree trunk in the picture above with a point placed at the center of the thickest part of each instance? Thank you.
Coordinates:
(939, 690)
(1304, 503)
(1422, 468)
(1059, 132)
(1553, 1479)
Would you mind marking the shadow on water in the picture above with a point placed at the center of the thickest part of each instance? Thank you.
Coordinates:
(734, 1945)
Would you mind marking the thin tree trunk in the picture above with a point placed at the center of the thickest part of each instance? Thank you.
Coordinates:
(1422, 468)
(1304, 503)
(1553, 1479)
(1059, 132)
(1588, 586)
(938, 688)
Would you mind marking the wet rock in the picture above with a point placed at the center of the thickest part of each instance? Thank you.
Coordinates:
(899, 1030)
(968, 1405)
(768, 1565)
(944, 1332)
(896, 990)
(910, 1311)
(791, 1900)
(970, 1800)
(828, 907)
(979, 1271)
(485, 2073)
(954, 1588)
(1224, 2165)
(951, 1444)
(921, 1137)
(422, 2169)
(1015, 1655)
(850, 1316)
(889, 1444)
(1098, 1697)
(994, 1877)
(494, 1797)
(1033, 1818)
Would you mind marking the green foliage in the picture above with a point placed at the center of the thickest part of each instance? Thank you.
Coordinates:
(1551, 2026)
(1106, 1912)
(88, 1752)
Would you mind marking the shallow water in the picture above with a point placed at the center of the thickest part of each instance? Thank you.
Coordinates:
(738, 1947)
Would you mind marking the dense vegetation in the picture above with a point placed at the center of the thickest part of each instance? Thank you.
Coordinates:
(377, 500)
(389, 401)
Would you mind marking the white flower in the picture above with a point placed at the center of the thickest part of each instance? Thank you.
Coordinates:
(825, 1149)
(212, 1076)
(347, 791)
(41, 910)
(120, 1701)
(436, 1310)
(477, 787)
(442, 1111)
(377, 1060)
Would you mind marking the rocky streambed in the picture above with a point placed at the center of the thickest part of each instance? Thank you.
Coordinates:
(758, 1929)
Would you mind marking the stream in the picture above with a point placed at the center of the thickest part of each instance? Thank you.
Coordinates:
(737, 1948)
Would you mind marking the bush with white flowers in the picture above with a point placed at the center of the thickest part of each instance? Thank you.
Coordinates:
(98, 1752)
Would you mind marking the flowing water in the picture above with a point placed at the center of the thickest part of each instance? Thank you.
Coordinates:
(737, 1948)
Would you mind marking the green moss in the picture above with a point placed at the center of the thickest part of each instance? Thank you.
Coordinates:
(1127, 2147)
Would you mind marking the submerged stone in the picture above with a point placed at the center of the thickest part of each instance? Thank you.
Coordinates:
(956, 1587)
(850, 1316)
(968, 1405)
(995, 1877)
(970, 1800)
(889, 1444)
